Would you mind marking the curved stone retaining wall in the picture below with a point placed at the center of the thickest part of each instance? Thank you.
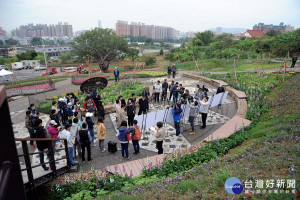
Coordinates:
(239, 96)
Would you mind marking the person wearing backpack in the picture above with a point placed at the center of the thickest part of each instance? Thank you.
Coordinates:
(123, 138)
(91, 124)
(101, 133)
(29, 125)
(85, 140)
(136, 136)
(40, 132)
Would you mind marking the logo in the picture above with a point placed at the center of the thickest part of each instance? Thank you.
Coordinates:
(233, 186)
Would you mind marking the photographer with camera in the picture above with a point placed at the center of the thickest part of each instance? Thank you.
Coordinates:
(192, 113)
(176, 111)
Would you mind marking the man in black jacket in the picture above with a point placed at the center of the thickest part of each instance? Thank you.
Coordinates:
(169, 70)
(40, 132)
(146, 93)
(55, 117)
(164, 90)
(130, 112)
(144, 106)
(294, 60)
(85, 139)
(220, 89)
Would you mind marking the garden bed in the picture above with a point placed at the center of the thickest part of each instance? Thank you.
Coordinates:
(139, 74)
(26, 90)
(108, 94)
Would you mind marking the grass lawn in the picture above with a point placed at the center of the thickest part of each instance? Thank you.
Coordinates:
(225, 65)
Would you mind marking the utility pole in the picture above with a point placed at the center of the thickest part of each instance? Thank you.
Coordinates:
(47, 74)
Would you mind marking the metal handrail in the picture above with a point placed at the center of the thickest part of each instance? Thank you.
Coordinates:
(4, 177)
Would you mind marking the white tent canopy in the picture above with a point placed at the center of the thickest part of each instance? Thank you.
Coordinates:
(4, 72)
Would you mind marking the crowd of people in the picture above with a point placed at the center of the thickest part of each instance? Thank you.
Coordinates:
(76, 123)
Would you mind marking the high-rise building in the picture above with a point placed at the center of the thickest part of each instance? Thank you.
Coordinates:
(99, 24)
(140, 29)
(266, 28)
(2, 32)
(43, 30)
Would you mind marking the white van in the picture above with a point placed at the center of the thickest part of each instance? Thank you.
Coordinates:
(17, 65)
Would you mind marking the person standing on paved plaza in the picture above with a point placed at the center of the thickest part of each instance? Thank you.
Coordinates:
(76, 115)
(85, 141)
(144, 105)
(220, 89)
(170, 90)
(130, 112)
(67, 98)
(160, 135)
(53, 132)
(204, 111)
(54, 116)
(157, 89)
(70, 141)
(136, 136)
(69, 111)
(174, 70)
(146, 93)
(123, 138)
(63, 107)
(118, 109)
(89, 105)
(29, 125)
(40, 132)
(101, 133)
(74, 132)
(200, 95)
(91, 124)
(175, 93)
(116, 74)
(133, 98)
(204, 90)
(54, 106)
(169, 71)
(164, 90)
(176, 111)
(180, 91)
(122, 114)
(192, 114)
(34, 110)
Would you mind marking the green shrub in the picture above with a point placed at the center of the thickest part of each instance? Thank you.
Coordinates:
(149, 60)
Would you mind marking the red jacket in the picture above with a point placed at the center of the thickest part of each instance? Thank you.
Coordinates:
(53, 132)
(84, 104)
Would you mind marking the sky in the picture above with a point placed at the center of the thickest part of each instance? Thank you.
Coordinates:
(188, 15)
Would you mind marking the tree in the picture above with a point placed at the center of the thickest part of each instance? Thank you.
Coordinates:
(37, 41)
(65, 57)
(102, 45)
(28, 55)
(161, 52)
(273, 33)
(225, 40)
(1, 42)
(132, 53)
(61, 42)
(41, 58)
(11, 41)
(202, 39)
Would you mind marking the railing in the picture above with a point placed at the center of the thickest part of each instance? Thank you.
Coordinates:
(35, 182)
(4, 177)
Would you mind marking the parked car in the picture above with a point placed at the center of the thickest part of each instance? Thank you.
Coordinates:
(3, 67)
(38, 68)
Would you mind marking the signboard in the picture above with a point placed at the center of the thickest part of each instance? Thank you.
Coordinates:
(93, 83)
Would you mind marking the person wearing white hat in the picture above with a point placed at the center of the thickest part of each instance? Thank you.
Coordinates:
(220, 90)
(63, 107)
(69, 111)
(53, 132)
